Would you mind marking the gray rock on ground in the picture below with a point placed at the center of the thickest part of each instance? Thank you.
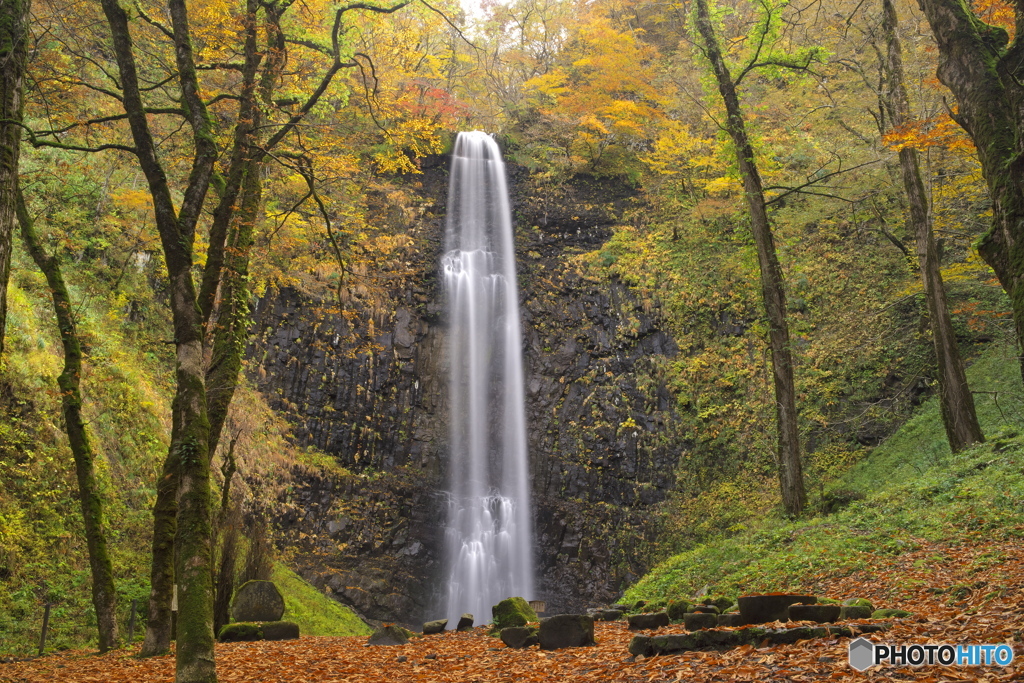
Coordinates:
(566, 630)
(519, 636)
(257, 601)
(436, 626)
(646, 621)
(695, 621)
(465, 622)
(389, 635)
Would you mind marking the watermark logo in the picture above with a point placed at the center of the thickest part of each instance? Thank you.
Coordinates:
(864, 654)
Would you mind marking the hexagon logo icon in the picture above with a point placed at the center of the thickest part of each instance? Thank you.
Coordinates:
(862, 654)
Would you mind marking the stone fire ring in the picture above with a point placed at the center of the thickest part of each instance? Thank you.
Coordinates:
(758, 609)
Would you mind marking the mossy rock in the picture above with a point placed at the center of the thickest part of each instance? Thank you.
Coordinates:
(512, 612)
(723, 603)
(858, 602)
(855, 612)
(243, 632)
(390, 635)
(677, 608)
(890, 614)
(280, 630)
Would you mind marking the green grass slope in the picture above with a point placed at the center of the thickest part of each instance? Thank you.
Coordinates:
(907, 491)
(315, 613)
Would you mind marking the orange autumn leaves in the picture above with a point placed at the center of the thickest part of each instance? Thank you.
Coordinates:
(958, 593)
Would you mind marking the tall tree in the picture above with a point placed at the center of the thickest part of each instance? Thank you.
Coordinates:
(104, 597)
(791, 478)
(13, 46)
(985, 72)
(955, 399)
(182, 509)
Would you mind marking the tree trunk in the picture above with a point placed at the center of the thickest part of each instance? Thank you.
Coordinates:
(987, 78)
(956, 401)
(104, 597)
(161, 573)
(190, 431)
(13, 44)
(790, 470)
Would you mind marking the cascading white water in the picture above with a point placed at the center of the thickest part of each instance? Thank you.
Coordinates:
(489, 546)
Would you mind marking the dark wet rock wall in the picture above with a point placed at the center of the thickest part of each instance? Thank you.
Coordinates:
(370, 391)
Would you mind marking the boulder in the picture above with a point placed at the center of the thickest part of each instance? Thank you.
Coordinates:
(821, 614)
(436, 626)
(257, 601)
(646, 621)
(566, 630)
(855, 612)
(512, 612)
(280, 630)
(240, 633)
(389, 635)
(706, 609)
(465, 622)
(519, 636)
(696, 621)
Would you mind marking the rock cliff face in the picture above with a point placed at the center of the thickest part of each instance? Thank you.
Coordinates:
(597, 409)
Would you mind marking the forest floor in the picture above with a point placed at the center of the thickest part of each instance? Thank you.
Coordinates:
(968, 592)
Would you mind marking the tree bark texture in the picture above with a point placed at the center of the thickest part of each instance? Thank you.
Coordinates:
(13, 47)
(987, 78)
(772, 288)
(955, 398)
(104, 597)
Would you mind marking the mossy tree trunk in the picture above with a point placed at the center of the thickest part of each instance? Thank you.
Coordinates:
(986, 74)
(955, 399)
(13, 45)
(791, 478)
(185, 532)
(189, 449)
(104, 597)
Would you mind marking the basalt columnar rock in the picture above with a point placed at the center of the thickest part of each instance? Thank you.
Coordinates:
(257, 601)
(367, 385)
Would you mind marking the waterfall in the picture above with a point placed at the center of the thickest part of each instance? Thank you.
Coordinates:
(488, 537)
